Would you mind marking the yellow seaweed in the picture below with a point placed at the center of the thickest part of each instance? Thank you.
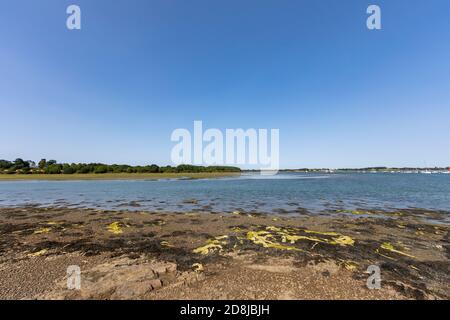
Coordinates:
(209, 248)
(355, 212)
(191, 214)
(383, 255)
(166, 244)
(38, 253)
(221, 237)
(322, 233)
(54, 223)
(389, 247)
(292, 238)
(286, 236)
(262, 238)
(272, 228)
(115, 228)
(42, 230)
(212, 245)
(343, 241)
(359, 212)
(350, 265)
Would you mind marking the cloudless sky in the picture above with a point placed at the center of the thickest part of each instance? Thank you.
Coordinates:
(113, 92)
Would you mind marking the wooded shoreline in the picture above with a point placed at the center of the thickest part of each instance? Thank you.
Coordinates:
(116, 176)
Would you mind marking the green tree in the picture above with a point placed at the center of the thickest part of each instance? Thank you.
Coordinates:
(67, 169)
(5, 164)
(20, 164)
(42, 164)
(53, 169)
(101, 169)
(50, 162)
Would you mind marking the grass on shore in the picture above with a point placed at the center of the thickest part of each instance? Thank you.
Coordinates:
(116, 176)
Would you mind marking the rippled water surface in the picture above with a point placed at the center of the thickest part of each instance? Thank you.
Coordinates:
(284, 193)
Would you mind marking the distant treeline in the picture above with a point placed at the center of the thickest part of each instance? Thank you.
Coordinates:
(20, 166)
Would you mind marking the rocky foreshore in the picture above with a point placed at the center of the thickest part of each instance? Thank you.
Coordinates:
(145, 255)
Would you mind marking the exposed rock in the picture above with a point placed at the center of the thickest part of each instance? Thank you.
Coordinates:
(156, 284)
(124, 278)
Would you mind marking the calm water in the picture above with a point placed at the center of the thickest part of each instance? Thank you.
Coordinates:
(287, 193)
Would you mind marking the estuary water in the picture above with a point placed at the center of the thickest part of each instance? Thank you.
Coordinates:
(288, 193)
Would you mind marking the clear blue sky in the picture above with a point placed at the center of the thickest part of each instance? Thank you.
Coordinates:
(341, 95)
